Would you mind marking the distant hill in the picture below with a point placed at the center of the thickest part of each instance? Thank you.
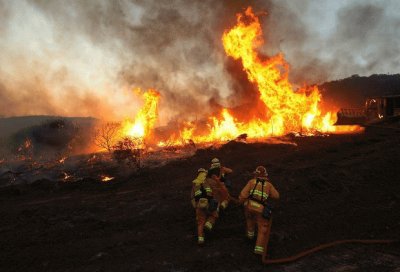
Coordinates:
(352, 91)
(11, 125)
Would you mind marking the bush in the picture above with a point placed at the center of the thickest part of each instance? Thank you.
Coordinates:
(128, 150)
(57, 133)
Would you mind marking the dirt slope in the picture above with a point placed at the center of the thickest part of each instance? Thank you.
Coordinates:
(335, 187)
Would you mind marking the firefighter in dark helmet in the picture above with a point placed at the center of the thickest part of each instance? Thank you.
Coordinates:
(254, 196)
(218, 173)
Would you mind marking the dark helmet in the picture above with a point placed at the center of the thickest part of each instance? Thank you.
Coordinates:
(260, 172)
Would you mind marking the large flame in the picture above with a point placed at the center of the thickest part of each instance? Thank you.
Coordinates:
(286, 109)
(145, 119)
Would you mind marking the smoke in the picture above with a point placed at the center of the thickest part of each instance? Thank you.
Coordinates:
(85, 57)
(373, 33)
(335, 39)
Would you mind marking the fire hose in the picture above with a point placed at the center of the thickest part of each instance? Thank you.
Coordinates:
(304, 253)
(320, 247)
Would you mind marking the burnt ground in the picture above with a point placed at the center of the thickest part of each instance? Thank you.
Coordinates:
(336, 187)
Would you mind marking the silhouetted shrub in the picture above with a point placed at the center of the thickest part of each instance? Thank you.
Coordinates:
(55, 133)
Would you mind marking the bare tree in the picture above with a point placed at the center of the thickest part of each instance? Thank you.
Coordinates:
(106, 135)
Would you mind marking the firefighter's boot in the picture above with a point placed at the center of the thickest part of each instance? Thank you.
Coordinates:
(250, 235)
(208, 226)
(200, 240)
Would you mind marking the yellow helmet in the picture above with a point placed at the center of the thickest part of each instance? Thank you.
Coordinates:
(215, 160)
(215, 163)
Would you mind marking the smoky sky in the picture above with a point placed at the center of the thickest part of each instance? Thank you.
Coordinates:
(85, 57)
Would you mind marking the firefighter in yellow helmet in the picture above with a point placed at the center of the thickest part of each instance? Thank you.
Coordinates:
(254, 196)
(204, 203)
(218, 173)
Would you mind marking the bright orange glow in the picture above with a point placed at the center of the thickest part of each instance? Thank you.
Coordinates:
(145, 119)
(105, 178)
(286, 109)
(289, 109)
(282, 109)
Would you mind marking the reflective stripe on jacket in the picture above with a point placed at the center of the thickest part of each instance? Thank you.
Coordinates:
(268, 191)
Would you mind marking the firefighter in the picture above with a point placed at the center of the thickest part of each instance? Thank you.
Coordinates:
(204, 203)
(218, 174)
(257, 211)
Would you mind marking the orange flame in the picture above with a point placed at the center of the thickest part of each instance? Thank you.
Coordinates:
(145, 119)
(286, 109)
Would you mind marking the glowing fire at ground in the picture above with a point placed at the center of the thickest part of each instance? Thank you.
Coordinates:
(62, 160)
(26, 145)
(284, 108)
(105, 178)
(92, 159)
(66, 176)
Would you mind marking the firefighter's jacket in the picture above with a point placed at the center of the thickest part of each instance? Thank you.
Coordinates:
(220, 192)
(259, 192)
(219, 171)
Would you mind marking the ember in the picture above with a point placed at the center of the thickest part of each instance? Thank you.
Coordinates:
(66, 176)
(62, 160)
(28, 143)
(92, 159)
(25, 146)
(105, 178)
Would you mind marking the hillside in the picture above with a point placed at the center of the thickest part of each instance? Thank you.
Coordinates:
(336, 187)
(352, 91)
(11, 125)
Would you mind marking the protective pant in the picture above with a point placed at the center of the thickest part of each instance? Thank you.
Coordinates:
(205, 219)
(228, 184)
(222, 196)
(255, 219)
